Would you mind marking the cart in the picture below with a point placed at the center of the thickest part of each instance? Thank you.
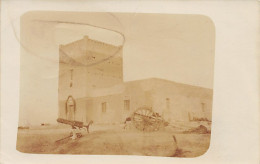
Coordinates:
(77, 127)
(145, 119)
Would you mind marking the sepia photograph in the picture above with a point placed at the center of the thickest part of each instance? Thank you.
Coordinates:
(99, 83)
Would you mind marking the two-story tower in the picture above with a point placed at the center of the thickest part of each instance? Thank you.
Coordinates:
(86, 65)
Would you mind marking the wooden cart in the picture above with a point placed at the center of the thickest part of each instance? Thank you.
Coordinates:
(145, 119)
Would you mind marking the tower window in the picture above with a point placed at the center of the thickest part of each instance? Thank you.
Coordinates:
(203, 107)
(104, 107)
(127, 104)
(167, 103)
(71, 78)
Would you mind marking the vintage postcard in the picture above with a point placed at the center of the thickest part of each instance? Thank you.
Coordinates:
(129, 82)
(99, 104)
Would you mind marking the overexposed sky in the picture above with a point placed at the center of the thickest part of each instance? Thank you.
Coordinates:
(173, 47)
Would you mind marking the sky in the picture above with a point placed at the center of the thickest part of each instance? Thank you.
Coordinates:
(179, 48)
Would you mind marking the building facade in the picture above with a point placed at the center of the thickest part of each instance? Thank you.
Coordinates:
(91, 87)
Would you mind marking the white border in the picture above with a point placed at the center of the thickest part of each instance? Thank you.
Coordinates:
(235, 130)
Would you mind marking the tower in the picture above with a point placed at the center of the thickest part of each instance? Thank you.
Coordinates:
(84, 66)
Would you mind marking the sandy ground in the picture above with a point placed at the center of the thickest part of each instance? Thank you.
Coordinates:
(113, 140)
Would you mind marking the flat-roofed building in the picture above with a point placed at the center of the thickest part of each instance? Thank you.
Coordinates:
(91, 87)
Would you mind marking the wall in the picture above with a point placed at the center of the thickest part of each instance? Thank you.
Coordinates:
(89, 74)
(132, 91)
(184, 100)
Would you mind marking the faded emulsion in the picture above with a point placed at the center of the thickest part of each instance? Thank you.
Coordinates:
(101, 113)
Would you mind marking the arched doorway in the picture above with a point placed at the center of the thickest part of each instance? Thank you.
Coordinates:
(70, 108)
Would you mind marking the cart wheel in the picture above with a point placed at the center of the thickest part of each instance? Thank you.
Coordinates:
(145, 119)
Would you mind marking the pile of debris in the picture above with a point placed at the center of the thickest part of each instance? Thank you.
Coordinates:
(199, 130)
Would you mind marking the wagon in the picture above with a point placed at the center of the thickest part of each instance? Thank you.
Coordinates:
(145, 119)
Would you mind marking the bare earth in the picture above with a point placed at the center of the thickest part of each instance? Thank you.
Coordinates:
(112, 140)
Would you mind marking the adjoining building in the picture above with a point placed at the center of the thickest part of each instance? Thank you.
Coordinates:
(91, 87)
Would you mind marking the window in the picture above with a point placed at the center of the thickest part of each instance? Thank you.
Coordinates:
(104, 107)
(71, 78)
(203, 107)
(167, 103)
(127, 104)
